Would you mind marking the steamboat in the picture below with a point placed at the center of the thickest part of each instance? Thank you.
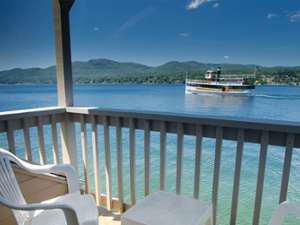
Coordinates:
(216, 82)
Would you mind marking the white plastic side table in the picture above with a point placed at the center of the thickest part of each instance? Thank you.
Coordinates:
(163, 208)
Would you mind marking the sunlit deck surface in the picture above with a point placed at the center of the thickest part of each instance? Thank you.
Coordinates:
(108, 218)
(37, 188)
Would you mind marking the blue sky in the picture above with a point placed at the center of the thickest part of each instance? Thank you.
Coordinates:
(153, 32)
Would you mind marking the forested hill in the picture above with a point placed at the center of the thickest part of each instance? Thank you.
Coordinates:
(109, 71)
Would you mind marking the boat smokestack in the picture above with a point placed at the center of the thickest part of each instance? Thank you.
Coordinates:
(219, 70)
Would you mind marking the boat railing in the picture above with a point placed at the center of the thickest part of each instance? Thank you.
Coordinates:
(229, 79)
(114, 128)
(237, 76)
(223, 81)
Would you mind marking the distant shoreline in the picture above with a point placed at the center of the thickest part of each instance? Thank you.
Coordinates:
(105, 71)
(106, 83)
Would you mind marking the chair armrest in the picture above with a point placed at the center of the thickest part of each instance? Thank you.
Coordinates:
(69, 211)
(66, 169)
(284, 210)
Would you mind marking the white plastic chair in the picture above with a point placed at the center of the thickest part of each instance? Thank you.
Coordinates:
(284, 210)
(70, 209)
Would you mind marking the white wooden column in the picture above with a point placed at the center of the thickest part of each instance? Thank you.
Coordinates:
(61, 9)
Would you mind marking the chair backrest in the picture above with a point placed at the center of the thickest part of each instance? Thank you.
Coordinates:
(9, 187)
(284, 210)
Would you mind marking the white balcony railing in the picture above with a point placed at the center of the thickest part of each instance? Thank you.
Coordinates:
(18, 125)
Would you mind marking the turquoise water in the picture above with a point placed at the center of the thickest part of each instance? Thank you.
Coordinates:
(282, 103)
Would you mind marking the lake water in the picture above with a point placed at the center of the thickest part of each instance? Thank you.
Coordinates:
(268, 102)
(271, 102)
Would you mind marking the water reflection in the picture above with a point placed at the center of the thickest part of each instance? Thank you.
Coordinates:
(219, 104)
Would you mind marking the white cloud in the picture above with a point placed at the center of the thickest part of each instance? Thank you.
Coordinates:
(95, 29)
(226, 57)
(135, 19)
(216, 5)
(294, 17)
(271, 16)
(194, 4)
(184, 34)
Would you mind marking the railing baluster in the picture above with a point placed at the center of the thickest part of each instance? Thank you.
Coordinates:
(119, 163)
(54, 138)
(84, 146)
(216, 178)
(179, 157)
(95, 149)
(237, 176)
(286, 167)
(198, 154)
(42, 150)
(261, 176)
(132, 160)
(27, 142)
(162, 155)
(11, 137)
(68, 141)
(147, 156)
(107, 164)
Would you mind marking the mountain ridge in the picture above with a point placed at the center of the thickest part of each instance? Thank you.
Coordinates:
(103, 70)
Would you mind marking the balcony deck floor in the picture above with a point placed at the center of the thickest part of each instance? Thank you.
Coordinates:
(109, 218)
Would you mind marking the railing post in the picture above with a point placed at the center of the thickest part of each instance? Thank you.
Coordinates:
(64, 76)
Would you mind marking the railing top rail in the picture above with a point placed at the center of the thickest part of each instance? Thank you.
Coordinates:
(223, 121)
(18, 114)
(235, 122)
